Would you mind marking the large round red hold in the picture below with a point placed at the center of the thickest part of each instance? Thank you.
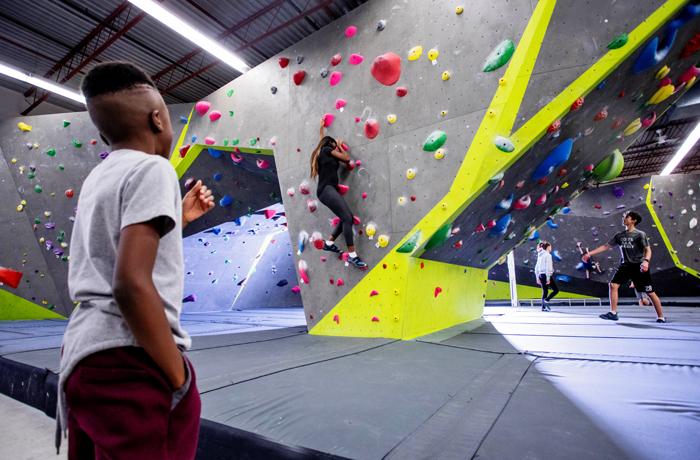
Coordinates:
(387, 69)
(401, 91)
(335, 60)
(69, 193)
(371, 128)
(299, 77)
(284, 62)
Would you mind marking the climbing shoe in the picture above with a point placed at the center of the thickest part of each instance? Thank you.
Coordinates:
(356, 262)
(609, 315)
(332, 248)
(660, 320)
(545, 306)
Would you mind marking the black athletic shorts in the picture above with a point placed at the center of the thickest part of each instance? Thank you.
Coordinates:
(630, 271)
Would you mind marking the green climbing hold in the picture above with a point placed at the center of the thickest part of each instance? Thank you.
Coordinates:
(500, 56)
(52, 152)
(37, 221)
(61, 167)
(579, 150)
(225, 142)
(229, 93)
(31, 176)
(235, 142)
(638, 97)
(230, 113)
(253, 141)
(609, 168)
(238, 202)
(64, 258)
(503, 144)
(556, 209)
(479, 251)
(59, 239)
(52, 306)
(410, 244)
(618, 42)
(496, 179)
(483, 261)
(272, 195)
(77, 144)
(66, 123)
(439, 237)
(251, 211)
(643, 106)
(258, 151)
(63, 233)
(435, 141)
(38, 189)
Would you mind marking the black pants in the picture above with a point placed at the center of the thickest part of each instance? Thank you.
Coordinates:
(331, 198)
(552, 284)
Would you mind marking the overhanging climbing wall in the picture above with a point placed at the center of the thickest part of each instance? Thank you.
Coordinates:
(551, 107)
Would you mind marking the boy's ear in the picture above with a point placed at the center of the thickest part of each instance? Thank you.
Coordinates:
(156, 122)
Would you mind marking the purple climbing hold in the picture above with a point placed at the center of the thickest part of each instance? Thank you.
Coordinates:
(190, 298)
(49, 225)
(104, 155)
(670, 192)
(622, 206)
(670, 216)
(618, 192)
(58, 252)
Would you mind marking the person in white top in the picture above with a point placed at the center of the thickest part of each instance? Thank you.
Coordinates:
(543, 271)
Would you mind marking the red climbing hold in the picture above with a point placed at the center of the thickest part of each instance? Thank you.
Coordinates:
(350, 165)
(665, 82)
(554, 127)
(384, 266)
(541, 200)
(596, 206)
(590, 168)
(562, 171)
(356, 220)
(189, 183)
(69, 193)
(560, 201)
(458, 244)
(284, 62)
(617, 123)
(373, 293)
(311, 204)
(262, 164)
(371, 128)
(422, 265)
(183, 150)
(480, 228)
(519, 184)
(387, 69)
(543, 180)
(304, 188)
(332, 281)
(601, 115)
(401, 91)
(270, 213)
(299, 77)
(335, 60)
(343, 189)
(413, 198)
(93, 142)
(622, 94)
(692, 47)
(311, 316)
(577, 104)
(491, 224)
(438, 290)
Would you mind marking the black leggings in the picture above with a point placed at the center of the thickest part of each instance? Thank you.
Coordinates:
(332, 199)
(552, 284)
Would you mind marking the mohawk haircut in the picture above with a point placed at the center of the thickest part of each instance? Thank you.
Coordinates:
(113, 77)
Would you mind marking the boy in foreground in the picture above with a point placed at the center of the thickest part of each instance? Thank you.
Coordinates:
(634, 265)
(126, 389)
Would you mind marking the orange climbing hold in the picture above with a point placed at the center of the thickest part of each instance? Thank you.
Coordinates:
(577, 104)
(554, 127)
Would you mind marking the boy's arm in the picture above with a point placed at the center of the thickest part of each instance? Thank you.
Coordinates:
(597, 250)
(647, 258)
(138, 299)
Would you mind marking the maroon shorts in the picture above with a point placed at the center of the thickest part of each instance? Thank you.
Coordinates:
(120, 406)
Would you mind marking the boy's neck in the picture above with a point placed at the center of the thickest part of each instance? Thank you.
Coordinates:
(629, 228)
(141, 145)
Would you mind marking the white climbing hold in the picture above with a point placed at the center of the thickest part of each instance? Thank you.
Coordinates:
(503, 144)
(693, 222)
(690, 243)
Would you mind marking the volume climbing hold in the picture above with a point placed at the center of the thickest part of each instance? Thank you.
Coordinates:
(262, 164)
(350, 31)
(401, 91)
(386, 69)
(601, 115)
(609, 168)
(618, 42)
(343, 189)
(578, 103)
(340, 103)
(439, 153)
(189, 183)
(415, 53)
(299, 77)
(554, 127)
(335, 60)
(355, 59)
(662, 94)
(503, 144)
(499, 56)
(522, 203)
(225, 200)
(381, 25)
(328, 119)
(391, 118)
(439, 237)
(633, 127)
(501, 226)
(335, 78)
(214, 115)
(446, 75)
(383, 240)
(371, 128)
(558, 156)
(410, 244)
(311, 204)
(273, 89)
(496, 179)
(24, 127)
(504, 204)
(202, 107)
(436, 140)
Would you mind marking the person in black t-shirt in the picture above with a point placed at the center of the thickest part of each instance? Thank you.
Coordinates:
(325, 161)
(634, 264)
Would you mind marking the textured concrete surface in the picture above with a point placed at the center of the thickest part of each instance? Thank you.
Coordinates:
(29, 435)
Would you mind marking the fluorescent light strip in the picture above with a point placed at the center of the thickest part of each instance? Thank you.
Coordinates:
(190, 33)
(683, 151)
(41, 83)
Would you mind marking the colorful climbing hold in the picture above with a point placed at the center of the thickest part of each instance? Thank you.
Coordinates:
(499, 56)
(401, 91)
(503, 144)
(299, 77)
(386, 69)
(662, 94)
(202, 107)
(436, 140)
(335, 78)
(618, 42)
(283, 62)
(371, 128)
(24, 127)
(500, 227)
(355, 59)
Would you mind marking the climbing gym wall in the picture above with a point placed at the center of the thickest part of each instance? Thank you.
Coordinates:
(470, 125)
(44, 161)
(592, 219)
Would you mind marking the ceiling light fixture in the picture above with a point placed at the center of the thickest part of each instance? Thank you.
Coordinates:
(190, 33)
(683, 151)
(41, 83)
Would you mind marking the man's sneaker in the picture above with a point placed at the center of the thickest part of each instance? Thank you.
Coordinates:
(660, 320)
(332, 248)
(610, 315)
(356, 262)
(545, 307)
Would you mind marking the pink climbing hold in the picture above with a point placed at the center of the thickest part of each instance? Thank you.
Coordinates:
(480, 228)
(235, 149)
(358, 163)
(541, 200)
(311, 204)
(522, 203)
(183, 150)
(340, 282)
(345, 146)
(328, 119)
(386, 69)
(649, 120)
(371, 128)
(335, 221)
(678, 88)
(373, 293)
(590, 168)
(355, 59)
(336, 319)
(689, 75)
(323, 259)
(296, 289)
(665, 82)
(401, 91)
(302, 271)
(304, 188)
(202, 107)
(491, 224)
(262, 164)
(283, 61)
(356, 220)
(350, 31)
(335, 60)
(335, 78)
(269, 213)
(290, 191)
(357, 119)
(343, 189)
(375, 319)
(340, 103)
(237, 159)
(438, 290)
(214, 115)
(364, 195)
(209, 141)
(299, 77)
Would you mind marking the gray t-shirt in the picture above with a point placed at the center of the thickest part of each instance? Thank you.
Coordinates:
(127, 188)
(632, 245)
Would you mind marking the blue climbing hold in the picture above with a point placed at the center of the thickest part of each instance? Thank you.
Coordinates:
(217, 176)
(239, 221)
(551, 224)
(580, 266)
(534, 236)
(566, 210)
(601, 85)
(216, 231)
(194, 138)
(213, 152)
(501, 226)
(556, 158)
(504, 204)
(563, 278)
(225, 201)
(184, 119)
(556, 256)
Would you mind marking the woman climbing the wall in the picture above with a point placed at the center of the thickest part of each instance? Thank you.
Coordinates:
(325, 161)
(544, 271)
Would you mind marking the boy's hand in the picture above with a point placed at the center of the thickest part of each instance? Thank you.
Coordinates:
(196, 202)
(585, 257)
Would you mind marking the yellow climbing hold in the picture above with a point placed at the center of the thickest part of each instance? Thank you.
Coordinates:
(662, 94)
(391, 118)
(396, 318)
(383, 240)
(396, 292)
(662, 72)
(646, 186)
(566, 184)
(24, 203)
(632, 127)
(415, 53)
(14, 160)
(444, 206)
(370, 230)
(53, 194)
(502, 82)
(41, 240)
(439, 153)
(24, 127)
(43, 301)
(396, 265)
(64, 245)
(402, 200)
(47, 214)
(446, 75)
(459, 10)
(690, 83)
(433, 54)
(443, 113)
(491, 113)
(411, 173)
(20, 208)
